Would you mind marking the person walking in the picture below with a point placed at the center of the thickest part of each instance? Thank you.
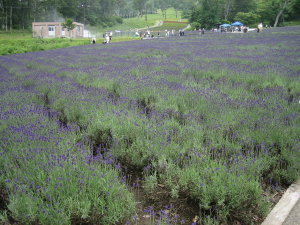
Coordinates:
(107, 38)
(110, 36)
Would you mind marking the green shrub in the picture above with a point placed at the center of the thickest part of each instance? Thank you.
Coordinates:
(224, 193)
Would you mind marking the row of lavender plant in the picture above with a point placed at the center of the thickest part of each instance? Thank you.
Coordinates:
(46, 176)
(213, 117)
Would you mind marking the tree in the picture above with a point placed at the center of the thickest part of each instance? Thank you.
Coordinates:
(139, 5)
(271, 11)
(19, 14)
(283, 4)
(163, 5)
(265, 9)
(69, 25)
(247, 18)
(207, 13)
(244, 5)
(294, 10)
(184, 5)
(227, 8)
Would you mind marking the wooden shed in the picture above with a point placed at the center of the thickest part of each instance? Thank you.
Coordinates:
(55, 29)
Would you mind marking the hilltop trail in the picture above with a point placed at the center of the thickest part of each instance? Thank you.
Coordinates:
(187, 27)
(157, 24)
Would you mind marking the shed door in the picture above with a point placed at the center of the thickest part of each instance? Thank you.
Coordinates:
(51, 30)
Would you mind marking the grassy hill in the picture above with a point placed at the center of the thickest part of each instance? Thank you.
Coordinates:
(169, 26)
(141, 22)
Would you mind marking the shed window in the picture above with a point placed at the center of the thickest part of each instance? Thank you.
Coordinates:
(50, 28)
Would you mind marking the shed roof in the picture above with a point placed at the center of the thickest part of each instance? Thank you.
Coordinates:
(54, 23)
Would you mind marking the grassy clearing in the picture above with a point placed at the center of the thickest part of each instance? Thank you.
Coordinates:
(22, 43)
(291, 23)
(174, 132)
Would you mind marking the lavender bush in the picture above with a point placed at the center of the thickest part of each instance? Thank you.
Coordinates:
(214, 118)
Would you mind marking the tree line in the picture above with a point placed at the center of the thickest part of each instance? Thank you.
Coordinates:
(19, 14)
(207, 13)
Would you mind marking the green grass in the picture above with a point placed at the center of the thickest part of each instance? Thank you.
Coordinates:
(140, 22)
(22, 42)
(169, 26)
(290, 23)
(15, 35)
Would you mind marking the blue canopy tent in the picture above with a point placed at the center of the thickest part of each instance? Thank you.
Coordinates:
(225, 25)
(237, 23)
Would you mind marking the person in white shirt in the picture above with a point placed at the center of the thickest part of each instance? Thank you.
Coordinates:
(107, 38)
(110, 36)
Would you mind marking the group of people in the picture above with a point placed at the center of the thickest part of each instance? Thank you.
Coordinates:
(167, 33)
(243, 29)
(107, 38)
(147, 34)
(201, 31)
(181, 33)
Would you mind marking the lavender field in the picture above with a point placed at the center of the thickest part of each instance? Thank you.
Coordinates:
(181, 130)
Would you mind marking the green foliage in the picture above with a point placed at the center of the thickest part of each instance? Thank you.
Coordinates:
(249, 19)
(207, 14)
(69, 24)
(150, 183)
(196, 25)
(222, 191)
(97, 201)
(8, 46)
(57, 196)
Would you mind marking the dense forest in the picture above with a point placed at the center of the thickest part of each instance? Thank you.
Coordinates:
(19, 14)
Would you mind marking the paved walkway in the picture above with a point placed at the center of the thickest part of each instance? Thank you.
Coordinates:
(287, 210)
(294, 216)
